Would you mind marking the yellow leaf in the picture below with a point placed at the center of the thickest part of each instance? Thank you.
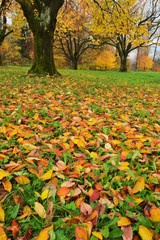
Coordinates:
(3, 235)
(44, 234)
(1, 214)
(98, 235)
(93, 154)
(40, 210)
(3, 174)
(123, 166)
(124, 221)
(140, 184)
(47, 175)
(29, 146)
(155, 214)
(23, 180)
(45, 194)
(145, 233)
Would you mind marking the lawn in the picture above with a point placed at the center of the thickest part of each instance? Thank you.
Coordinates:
(79, 155)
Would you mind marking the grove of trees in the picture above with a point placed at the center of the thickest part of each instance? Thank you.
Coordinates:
(73, 29)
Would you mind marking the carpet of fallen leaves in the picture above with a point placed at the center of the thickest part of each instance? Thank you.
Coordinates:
(78, 159)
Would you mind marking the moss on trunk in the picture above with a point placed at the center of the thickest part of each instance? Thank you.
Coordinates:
(43, 62)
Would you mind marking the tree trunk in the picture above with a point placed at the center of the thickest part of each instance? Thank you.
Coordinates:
(74, 64)
(41, 16)
(123, 67)
(43, 62)
(0, 60)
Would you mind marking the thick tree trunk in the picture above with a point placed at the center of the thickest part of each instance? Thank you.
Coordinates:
(43, 62)
(0, 60)
(74, 64)
(123, 67)
(41, 16)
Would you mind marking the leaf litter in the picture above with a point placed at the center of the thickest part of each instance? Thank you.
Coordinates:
(78, 160)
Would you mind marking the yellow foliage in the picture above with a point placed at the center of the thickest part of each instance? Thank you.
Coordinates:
(145, 62)
(106, 60)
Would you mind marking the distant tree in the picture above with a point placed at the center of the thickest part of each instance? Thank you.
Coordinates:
(106, 60)
(73, 37)
(42, 17)
(145, 63)
(126, 25)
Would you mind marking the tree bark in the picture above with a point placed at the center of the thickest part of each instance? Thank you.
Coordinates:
(74, 64)
(123, 67)
(41, 16)
(0, 60)
(43, 61)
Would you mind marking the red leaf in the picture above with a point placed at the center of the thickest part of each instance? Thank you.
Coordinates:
(94, 196)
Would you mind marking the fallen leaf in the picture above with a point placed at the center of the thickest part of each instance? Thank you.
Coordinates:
(155, 214)
(45, 194)
(94, 196)
(124, 221)
(63, 191)
(29, 146)
(15, 227)
(47, 175)
(44, 234)
(85, 208)
(3, 174)
(3, 235)
(140, 184)
(39, 209)
(81, 233)
(7, 185)
(2, 215)
(145, 233)
(98, 235)
(23, 180)
(127, 232)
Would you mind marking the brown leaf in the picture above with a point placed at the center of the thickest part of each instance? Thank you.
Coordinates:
(85, 208)
(127, 233)
(15, 227)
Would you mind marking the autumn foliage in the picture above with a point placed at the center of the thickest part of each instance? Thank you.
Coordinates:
(145, 63)
(106, 60)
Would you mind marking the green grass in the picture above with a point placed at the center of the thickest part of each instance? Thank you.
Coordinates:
(115, 77)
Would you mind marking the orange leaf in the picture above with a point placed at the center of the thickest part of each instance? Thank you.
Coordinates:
(23, 180)
(124, 221)
(63, 191)
(145, 233)
(3, 235)
(155, 214)
(2, 216)
(15, 227)
(7, 185)
(85, 208)
(81, 233)
(44, 234)
(140, 184)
